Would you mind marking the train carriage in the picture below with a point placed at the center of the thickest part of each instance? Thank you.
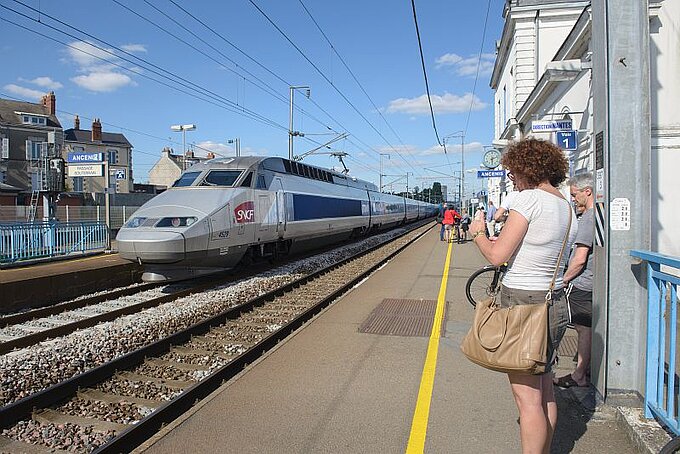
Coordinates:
(224, 211)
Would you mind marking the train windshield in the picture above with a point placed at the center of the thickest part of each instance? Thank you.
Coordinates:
(221, 178)
(186, 179)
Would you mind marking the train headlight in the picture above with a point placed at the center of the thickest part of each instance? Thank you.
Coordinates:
(135, 222)
(177, 222)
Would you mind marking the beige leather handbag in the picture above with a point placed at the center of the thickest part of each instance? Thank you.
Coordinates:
(512, 339)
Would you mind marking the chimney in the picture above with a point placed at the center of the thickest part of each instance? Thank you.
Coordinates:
(49, 101)
(76, 123)
(167, 151)
(96, 130)
(211, 155)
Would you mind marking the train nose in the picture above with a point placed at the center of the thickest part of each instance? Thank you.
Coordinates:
(151, 247)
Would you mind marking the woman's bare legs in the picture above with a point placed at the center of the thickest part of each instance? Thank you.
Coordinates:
(537, 410)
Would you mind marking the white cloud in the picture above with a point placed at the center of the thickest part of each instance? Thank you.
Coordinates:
(102, 81)
(97, 75)
(447, 103)
(467, 66)
(24, 92)
(448, 60)
(87, 56)
(44, 81)
(134, 47)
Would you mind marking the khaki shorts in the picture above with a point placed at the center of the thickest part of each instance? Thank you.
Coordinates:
(448, 226)
(558, 314)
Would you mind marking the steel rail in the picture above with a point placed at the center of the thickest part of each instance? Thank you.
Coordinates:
(23, 408)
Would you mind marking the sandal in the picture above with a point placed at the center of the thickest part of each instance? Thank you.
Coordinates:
(568, 382)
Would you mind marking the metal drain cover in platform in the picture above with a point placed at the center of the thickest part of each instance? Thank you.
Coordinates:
(397, 317)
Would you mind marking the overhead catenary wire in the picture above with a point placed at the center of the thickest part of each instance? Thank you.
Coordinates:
(422, 61)
(159, 71)
(349, 70)
(325, 77)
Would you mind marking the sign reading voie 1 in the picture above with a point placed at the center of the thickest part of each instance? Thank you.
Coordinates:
(85, 157)
(551, 125)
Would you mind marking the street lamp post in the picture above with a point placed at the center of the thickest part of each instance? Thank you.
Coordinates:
(381, 168)
(237, 147)
(184, 129)
(461, 183)
(292, 133)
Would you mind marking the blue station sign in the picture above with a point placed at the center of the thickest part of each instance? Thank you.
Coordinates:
(85, 157)
(490, 173)
(566, 140)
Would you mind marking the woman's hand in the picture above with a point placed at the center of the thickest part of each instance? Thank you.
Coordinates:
(476, 226)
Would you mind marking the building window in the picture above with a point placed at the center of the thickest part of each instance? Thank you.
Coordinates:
(33, 120)
(112, 156)
(34, 148)
(36, 183)
(2, 176)
(78, 184)
(78, 149)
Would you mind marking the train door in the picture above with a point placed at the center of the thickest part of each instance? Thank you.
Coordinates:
(280, 206)
(370, 210)
(263, 206)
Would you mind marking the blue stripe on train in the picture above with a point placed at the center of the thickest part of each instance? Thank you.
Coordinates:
(306, 207)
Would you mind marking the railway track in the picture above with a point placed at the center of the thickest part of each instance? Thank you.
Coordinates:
(125, 400)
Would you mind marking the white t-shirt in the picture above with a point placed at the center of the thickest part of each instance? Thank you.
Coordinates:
(533, 264)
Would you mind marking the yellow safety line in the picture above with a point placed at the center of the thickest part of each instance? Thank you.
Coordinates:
(416, 440)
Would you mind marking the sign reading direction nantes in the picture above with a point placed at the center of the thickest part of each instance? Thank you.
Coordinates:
(551, 125)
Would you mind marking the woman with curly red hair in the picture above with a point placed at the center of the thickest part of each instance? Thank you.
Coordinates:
(530, 243)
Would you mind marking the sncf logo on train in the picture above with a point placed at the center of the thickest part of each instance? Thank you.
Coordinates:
(245, 212)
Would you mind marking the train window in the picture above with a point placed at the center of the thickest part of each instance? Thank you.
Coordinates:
(261, 183)
(221, 178)
(186, 179)
(247, 181)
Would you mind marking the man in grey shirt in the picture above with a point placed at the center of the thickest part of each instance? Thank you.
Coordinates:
(579, 276)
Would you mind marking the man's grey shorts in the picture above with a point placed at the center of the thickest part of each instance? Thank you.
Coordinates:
(580, 306)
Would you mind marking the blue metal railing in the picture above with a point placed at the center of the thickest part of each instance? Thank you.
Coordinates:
(35, 240)
(661, 386)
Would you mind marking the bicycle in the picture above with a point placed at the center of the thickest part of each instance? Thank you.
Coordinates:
(484, 283)
(671, 447)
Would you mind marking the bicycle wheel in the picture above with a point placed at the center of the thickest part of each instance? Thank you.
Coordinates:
(671, 447)
(482, 284)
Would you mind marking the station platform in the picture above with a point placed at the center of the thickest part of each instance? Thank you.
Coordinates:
(340, 385)
(39, 284)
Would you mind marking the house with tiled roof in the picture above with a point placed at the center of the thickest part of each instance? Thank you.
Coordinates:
(24, 131)
(170, 166)
(114, 148)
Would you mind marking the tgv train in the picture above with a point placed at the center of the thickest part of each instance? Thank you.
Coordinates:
(224, 211)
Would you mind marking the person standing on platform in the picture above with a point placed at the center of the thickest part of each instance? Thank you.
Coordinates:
(530, 243)
(490, 222)
(504, 208)
(464, 226)
(440, 218)
(579, 277)
(450, 217)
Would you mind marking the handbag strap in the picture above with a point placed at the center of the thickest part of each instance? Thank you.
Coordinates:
(548, 296)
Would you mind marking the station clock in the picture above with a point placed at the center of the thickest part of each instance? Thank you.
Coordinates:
(492, 159)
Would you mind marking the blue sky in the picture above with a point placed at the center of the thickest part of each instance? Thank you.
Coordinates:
(243, 67)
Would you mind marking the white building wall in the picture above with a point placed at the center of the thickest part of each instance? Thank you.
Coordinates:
(665, 115)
